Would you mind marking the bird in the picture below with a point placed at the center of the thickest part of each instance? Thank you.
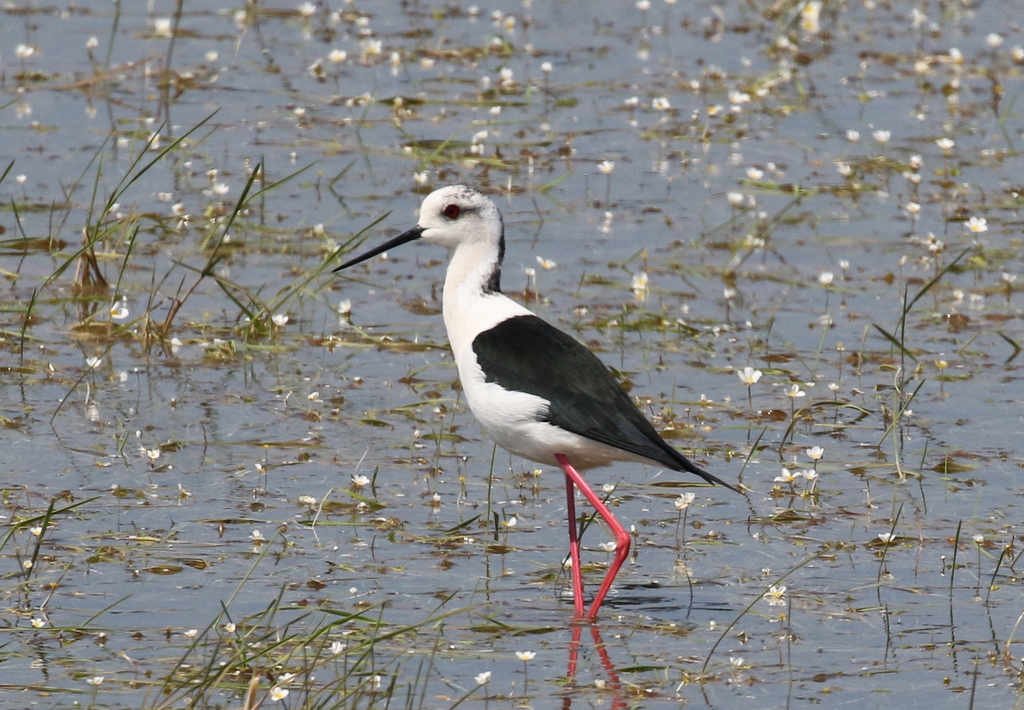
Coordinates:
(534, 389)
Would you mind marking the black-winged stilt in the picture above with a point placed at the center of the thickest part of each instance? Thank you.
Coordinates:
(535, 390)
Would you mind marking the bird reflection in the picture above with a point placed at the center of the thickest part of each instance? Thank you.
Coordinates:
(611, 683)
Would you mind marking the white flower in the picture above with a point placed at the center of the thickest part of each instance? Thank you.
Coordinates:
(36, 530)
(844, 168)
(230, 627)
(977, 224)
(945, 144)
(337, 647)
(525, 655)
(94, 681)
(338, 55)
(92, 362)
(886, 538)
(190, 634)
(794, 391)
(511, 522)
(979, 539)
(24, 51)
(344, 307)
(913, 207)
(735, 198)
(852, 135)
(279, 319)
(736, 661)
(607, 546)
(809, 17)
(38, 623)
(162, 26)
(776, 596)
(754, 174)
(360, 481)
(277, 693)
(825, 278)
(546, 264)
(306, 9)
(738, 97)
(749, 375)
(546, 67)
(882, 136)
(640, 283)
(606, 166)
(786, 477)
(994, 40)
(661, 103)
(815, 453)
(482, 678)
(256, 536)
(684, 501)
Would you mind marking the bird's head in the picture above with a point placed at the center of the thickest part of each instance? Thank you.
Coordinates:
(450, 216)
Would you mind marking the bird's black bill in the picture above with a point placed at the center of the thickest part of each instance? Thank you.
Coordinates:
(403, 238)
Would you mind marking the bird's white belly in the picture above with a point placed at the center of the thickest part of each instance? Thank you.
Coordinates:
(514, 421)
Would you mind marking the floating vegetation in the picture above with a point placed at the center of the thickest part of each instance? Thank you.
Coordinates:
(232, 479)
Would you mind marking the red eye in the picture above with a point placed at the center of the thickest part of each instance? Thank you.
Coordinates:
(451, 211)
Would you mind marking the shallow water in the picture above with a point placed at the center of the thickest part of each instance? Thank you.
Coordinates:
(736, 186)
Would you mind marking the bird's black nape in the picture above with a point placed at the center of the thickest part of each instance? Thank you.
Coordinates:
(403, 238)
(493, 284)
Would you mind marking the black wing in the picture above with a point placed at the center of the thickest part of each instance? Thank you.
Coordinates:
(527, 354)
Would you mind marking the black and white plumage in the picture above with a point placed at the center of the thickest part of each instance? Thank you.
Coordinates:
(535, 390)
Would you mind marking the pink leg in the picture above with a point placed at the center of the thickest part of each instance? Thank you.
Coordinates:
(621, 536)
(574, 548)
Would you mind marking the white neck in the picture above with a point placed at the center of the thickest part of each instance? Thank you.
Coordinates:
(468, 309)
